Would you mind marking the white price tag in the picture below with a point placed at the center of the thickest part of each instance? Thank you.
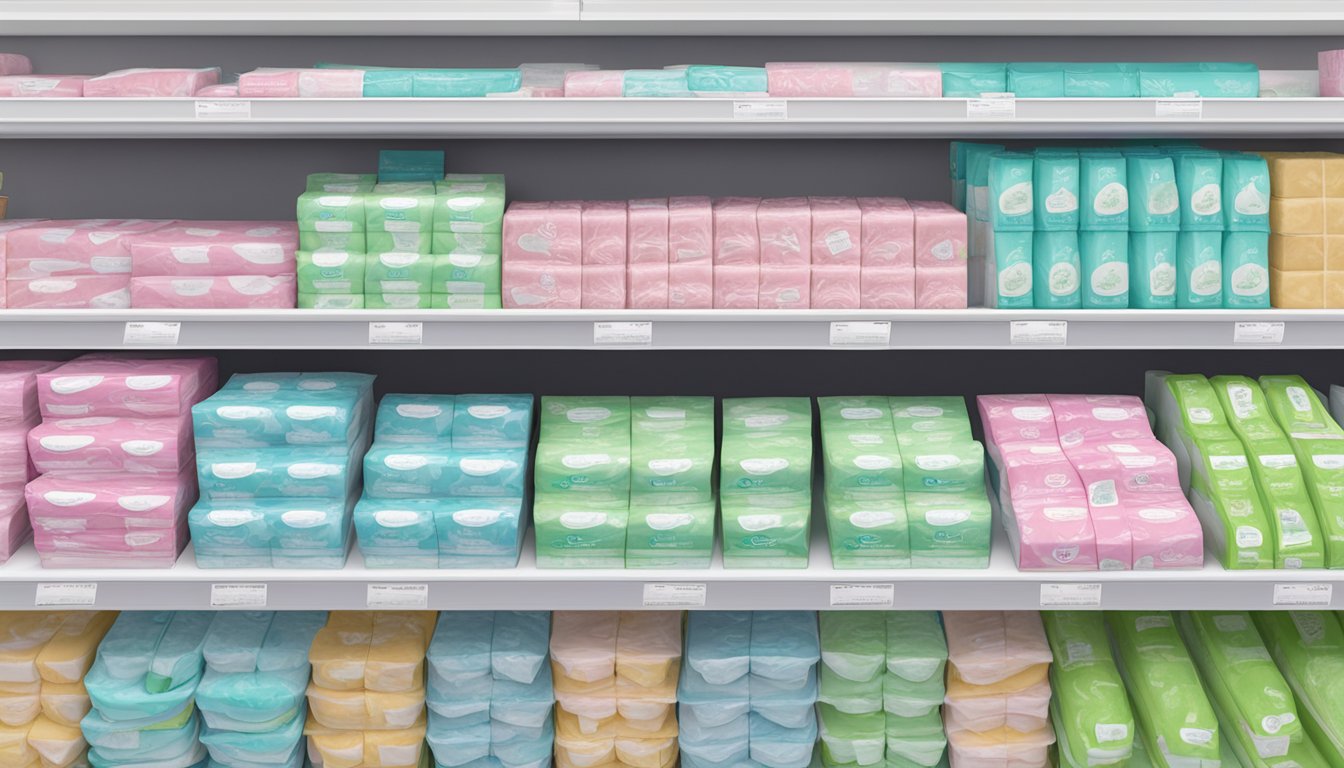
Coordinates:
(396, 333)
(151, 334)
(638, 334)
(863, 595)
(1303, 594)
(237, 595)
(409, 596)
(1070, 595)
(760, 110)
(1180, 109)
(675, 595)
(223, 110)
(1258, 333)
(992, 106)
(82, 595)
(864, 334)
(1039, 333)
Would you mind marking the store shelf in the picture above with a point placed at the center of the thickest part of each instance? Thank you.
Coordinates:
(686, 329)
(654, 118)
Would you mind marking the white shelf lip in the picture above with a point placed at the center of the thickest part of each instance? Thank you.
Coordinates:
(672, 329)
(655, 118)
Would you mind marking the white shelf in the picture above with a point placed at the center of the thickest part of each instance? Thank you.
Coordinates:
(654, 118)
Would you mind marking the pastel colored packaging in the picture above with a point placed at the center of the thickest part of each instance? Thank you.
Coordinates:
(1056, 266)
(1098, 726)
(680, 536)
(1306, 646)
(726, 79)
(1104, 258)
(1246, 270)
(1101, 80)
(1246, 192)
(1011, 193)
(1199, 270)
(104, 385)
(1009, 271)
(1154, 200)
(1055, 190)
(330, 272)
(1103, 185)
(1208, 80)
(853, 80)
(1199, 178)
(232, 292)
(970, 80)
(1029, 80)
(111, 444)
(197, 248)
(1152, 269)
(150, 83)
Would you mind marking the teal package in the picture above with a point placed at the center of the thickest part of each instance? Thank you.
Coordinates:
(1152, 270)
(492, 421)
(1205, 80)
(1199, 270)
(388, 84)
(1105, 267)
(1013, 270)
(397, 533)
(402, 470)
(328, 472)
(1245, 192)
(655, 83)
(1055, 190)
(410, 165)
(464, 83)
(1103, 186)
(1154, 201)
(956, 170)
(721, 79)
(1199, 181)
(1010, 192)
(1055, 271)
(970, 80)
(1101, 81)
(308, 535)
(1036, 80)
(479, 533)
(1246, 270)
(414, 419)
(977, 178)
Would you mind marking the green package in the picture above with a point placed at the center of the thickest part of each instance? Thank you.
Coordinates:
(334, 213)
(1318, 445)
(854, 644)
(398, 272)
(948, 530)
(1246, 270)
(1245, 192)
(1009, 269)
(941, 463)
(968, 80)
(1036, 80)
(916, 741)
(1154, 201)
(766, 453)
(330, 272)
(1010, 192)
(1055, 271)
(597, 469)
(860, 456)
(475, 199)
(465, 273)
(312, 240)
(928, 414)
(1097, 725)
(331, 301)
(466, 301)
(341, 183)
(849, 738)
(1300, 542)
(397, 301)
(1104, 257)
(403, 242)
(400, 209)
(1101, 81)
(849, 697)
(1199, 180)
(760, 415)
(451, 243)
(764, 537)
(1308, 647)
(1152, 270)
(868, 533)
(582, 418)
(903, 698)
(1199, 270)
(671, 450)
(1103, 191)
(579, 532)
(679, 536)
(916, 646)
(1055, 186)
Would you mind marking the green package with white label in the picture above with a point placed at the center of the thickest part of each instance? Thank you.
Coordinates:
(397, 300)
(1246, 270)
(465, 301)
(469, 204)
(1009, 271)
(1199, 270)
(1318, 445)
(941, 462)
(347, 183)
(680, 536)
(854, 644)
(584, 417)
(1097, 724)
(398, 272)
(1104, 257)
(968, 80)
(671, 450)
(574, 531)
(330, 272)
(481, 243)
(1308, 647)
(849, 697)
(1055, 271)
(466, 273)
(916, 741)
(867, 533)
(1152, 270)
(1199, 180)
(331, 301)
(933, 413)
(916, 646)
(764, 537)
(1055, 186)
(1169, 700)
(1154, 201)
(1246, 192)
(584, 450)
(1301, 540)
(847, 738)
(948, 530)
(1103, 191)
(1010, 192)
(352, 242)
(399, 217)
(765, 480)
(331, 212)
(860, 455)
(903, 698)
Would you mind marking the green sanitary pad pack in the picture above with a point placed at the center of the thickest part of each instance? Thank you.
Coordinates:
(1095, 725)
(1308, 647)
(1318, 444)
(765, 480)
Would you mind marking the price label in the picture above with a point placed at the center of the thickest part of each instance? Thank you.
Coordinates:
(151, 334)
(1039, 333)
(396, 333)
(408, 596)
(237, 595)
(66, 595)
(224, 110)
(992, 106)
(1180, 109)
(638, 334)
(863, 334)
(760, 110)
(1303, 595)
(1258, 333)
(675, 595)
(1070, 595)
(863, 595)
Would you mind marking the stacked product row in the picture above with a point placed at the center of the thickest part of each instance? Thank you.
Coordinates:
(1306, 216)
(735, 253)
(18, 415)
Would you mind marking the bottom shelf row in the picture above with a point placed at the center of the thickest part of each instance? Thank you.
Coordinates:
(763, 689)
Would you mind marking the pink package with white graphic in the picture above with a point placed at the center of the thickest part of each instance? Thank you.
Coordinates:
(888, 232)
(227, 292)
(736, 238)
(887, 287)
(110, 502)
(530, 285)
(836, 286)
(198, 248)
(648, 231)
(604, 233)
(1092, 418)
(690, 230)
(595, 83)
(837, 226)
(854, 79)
(14, 527)
(1138, 526)
(784, 225)
(302, 84)
(603, 286)
(221, 91)
(72, 292)
(690, 285)
(785, 287)
(15, 64)
(1043, 498)
(940, 287)
(112, 444)
(543, 233)
(106, 385)
(18, 390)
(73, 247)
(16, 469)
(153, 548)
(150, 83)
(1016, 418)
(648, 286)
(940, 234)
(737, 286)
(42, 86)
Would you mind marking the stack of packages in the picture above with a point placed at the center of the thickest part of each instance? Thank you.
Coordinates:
(382, 82)
(333, 246)
(7, 226)
(214, 265)
(1314, 435)
(1084, 485)
(747, 692)
(42, 697)
(672, 499)
(273, 83)
(1089, 709)
(765, 466)
(116, 453)
(18, 414)
(854, 79)
(881, 687)
(467, 241)
(1308, 647)
(398, 231)
(998, 689)
(445, 482)
(143, 686)
(252, 694)
(489, 691)
(1306, 221)
(77, 264)
(1094, 80)
(366, 702)
(615, 677)
(901, 499)
(279, 465)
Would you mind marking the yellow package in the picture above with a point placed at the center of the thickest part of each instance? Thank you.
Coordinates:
(396, 658)
(340, 650)
(65, 703)
(19, 703)
(647, 645)
(22, 637)
(366, 749)
(585, 744)
(635, 730)
(563, 760)
(1334, 290)
(365, 710)
(647, 703)
(589, 701)
(644, 717)
(1297, 216)
(646, 753)
(14, 747)
(1295, 174)
(1296, 290)
(1297, 253)
(70, 652)
(1334, 215)
(960, 689)
(56, 744)
(1334, 174)
(1334, 253)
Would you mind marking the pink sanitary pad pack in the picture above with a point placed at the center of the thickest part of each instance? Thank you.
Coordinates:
(604, 233)
(231, 292)
(605, 83)
(15, 64)
(18, 414)
(221, 91)
(690, 285)
(42, 86)
(76, 247)
(196, 248)
(302, 84)
(18, 390)
(70, 292)
(648, 285)
(112, 444)
(106, 385)
(784, 226)
(854, 80)
(543, 233)
(690, 230)
(151, 83)
(940, 256)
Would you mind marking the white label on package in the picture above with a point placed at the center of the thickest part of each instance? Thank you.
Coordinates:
(237, 595)
(152, 334)
(1070, 595)
(638, 334)
(760, 110)
(396, 333)
(410, 596)
(1039, 333)
(863, 595)
(1181, 109)
(1258, 333)
(864, 334)
(992, 106)
(1303, 594)
(66, 595)
(675, 595)
(223, 110)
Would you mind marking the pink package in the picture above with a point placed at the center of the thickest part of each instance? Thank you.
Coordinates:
(603, 286)
(940, 234)
(530, 285)
(1024, 711)
(226, 292)
(106, 385)
(150, 83)
(1045, 509)
(18, 390)
(1330, 66)
(1016, 418)
(597, 83)
(836, 287)
(112, 444)
(14, 527)
(854, 79)
(42, 86)
(648, 231)
(604, 232)
(888, 232)
(690, 285)
(784, 225)
(73, 292)
(73, 247)
(223, 90)
(836, 231)
(194, 248)
(109, 502)
(1089, 418)
(16, 469)
(544, 233)
(111, 549)
(737, 286)
(940, 287)
(989, 646)
(690, 229)
(648, 286)
(886, 287)
(785, 287)
(736, 238)
(1138, 526)
(302, 84)
(15, 64)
